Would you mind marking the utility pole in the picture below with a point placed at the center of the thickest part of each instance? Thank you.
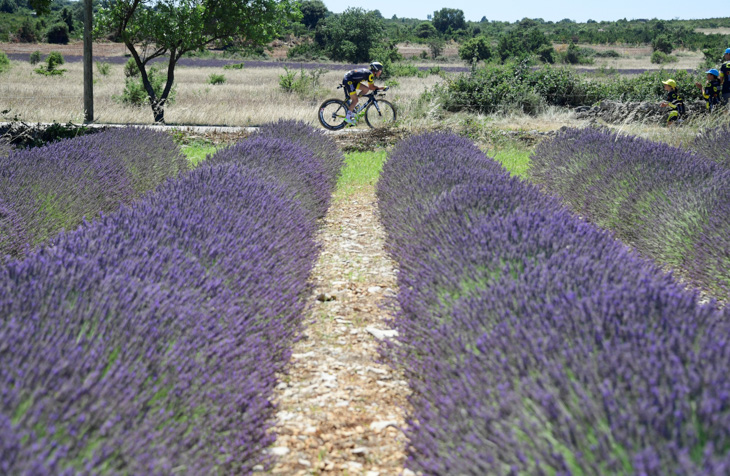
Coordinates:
(88, 64)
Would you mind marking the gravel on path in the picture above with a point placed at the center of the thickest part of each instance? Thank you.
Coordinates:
(340, 410)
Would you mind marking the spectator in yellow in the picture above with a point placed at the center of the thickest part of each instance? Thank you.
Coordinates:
(673, 101)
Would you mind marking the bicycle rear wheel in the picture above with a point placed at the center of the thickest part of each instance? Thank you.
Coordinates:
(332, 114)
(381, 116)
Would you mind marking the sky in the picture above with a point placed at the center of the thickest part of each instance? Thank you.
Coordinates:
(514, 10)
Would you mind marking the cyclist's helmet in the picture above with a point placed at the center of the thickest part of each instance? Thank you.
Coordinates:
(375, 66)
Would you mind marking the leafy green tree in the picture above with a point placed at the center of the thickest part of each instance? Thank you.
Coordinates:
(475, 49)
(449, 18)
(662, 43)
(425, 30)
(155, 28)
(350, 35)
(522, 42)
(312, 12)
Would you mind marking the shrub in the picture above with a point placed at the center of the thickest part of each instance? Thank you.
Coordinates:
(290, 164)
(131, 70)
(103, 68)
(475, 49)
(35, 57)
(608, 54)
(58, 34)
(659, 57)
(313, 140)
(135, 94)
(216, 79)
(53, 61)
(308, 82)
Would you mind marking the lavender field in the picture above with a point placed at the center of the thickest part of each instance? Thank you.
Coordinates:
(536, 343)
(148, 309)
(147, 340)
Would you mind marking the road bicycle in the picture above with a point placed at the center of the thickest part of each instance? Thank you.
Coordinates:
(377, 112)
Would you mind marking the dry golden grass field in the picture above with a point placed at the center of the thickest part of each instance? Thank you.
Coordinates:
(249, 97)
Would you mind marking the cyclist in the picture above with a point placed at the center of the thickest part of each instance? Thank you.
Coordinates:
(360, 79)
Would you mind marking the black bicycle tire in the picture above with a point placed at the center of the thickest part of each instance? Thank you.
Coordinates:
(383, 103)
(324, 123)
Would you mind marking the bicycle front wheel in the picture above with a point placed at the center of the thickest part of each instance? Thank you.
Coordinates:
(380, 114)
(332, 114)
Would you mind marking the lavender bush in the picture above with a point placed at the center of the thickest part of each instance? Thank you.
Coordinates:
(52, 188)
(280, 159)
(405, 189)
(149, 157)
(655, 197)
(712, 143)
(535, 343)
(147, 342)
(315, 140)
(13, 237)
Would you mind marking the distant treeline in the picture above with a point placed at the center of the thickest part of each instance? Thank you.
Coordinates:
(357, 35)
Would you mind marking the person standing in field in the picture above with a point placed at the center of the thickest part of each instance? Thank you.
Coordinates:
(724, 79)
(361, 79)
(712, 90)
(674, 101)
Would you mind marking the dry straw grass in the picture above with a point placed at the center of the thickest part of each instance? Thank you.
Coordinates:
(249, 97)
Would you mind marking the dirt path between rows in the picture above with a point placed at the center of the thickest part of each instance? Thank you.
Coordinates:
(341, 411)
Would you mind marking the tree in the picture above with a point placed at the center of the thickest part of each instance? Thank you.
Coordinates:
(350, 35)
(524, 41)
(449, 18)
(662, 43)
(475, 49)
(58, 34)
(312, 12)
(425, 30)
(154, 28)
(67, 18)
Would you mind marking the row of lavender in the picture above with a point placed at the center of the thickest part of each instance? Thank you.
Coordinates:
(536, 343)
(52, 188)
(147, 341)
(670, 204)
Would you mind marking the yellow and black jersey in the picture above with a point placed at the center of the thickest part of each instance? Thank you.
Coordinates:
(353, 78)
(675, 102)
(712, 93)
